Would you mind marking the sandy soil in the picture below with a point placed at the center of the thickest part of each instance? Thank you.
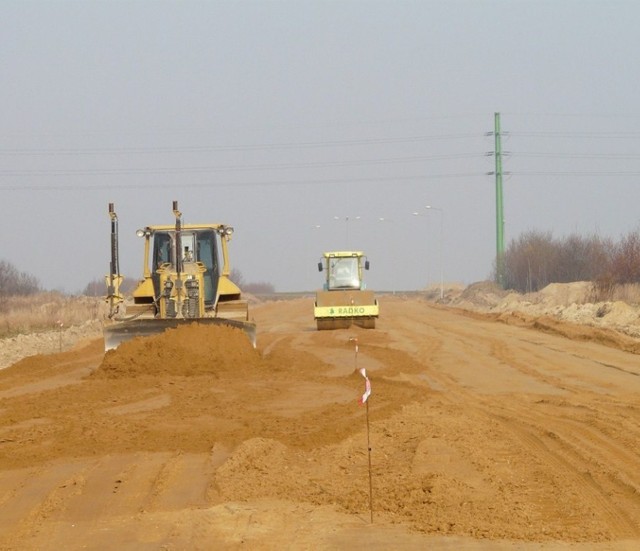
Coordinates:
(496, 431)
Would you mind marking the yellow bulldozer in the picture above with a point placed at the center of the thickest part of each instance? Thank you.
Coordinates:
(183, 282)
(344, 300)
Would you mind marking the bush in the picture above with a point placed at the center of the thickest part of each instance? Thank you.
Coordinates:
(16, 283)
(46, 311)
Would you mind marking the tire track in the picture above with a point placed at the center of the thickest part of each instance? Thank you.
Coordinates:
(565, 455)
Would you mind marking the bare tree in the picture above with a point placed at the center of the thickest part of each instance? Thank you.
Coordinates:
(16, 283)
(626, 260)
(236, 277)
(261, 288)
(536, 259)
(529, 262)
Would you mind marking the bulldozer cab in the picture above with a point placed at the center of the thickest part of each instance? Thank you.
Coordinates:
(344, 270)
(196, 246)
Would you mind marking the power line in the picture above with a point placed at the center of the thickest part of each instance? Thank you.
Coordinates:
(606, 156)
(154, 185)
(575, 173)
(245, 147)
(173, 170)
(563, 134)
(233, 168)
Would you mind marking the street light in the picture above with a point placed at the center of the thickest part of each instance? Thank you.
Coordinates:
(420, 214)
(393, 252)
(346, 219)
(429, 207)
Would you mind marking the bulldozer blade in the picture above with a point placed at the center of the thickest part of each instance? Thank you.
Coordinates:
(124, 331)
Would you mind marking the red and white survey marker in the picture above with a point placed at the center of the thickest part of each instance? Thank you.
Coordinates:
(367, 386)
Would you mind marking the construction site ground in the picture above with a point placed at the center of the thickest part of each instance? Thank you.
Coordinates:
(485, 432)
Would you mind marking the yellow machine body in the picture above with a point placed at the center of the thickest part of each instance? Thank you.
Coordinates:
(185, 280)
(344, 300)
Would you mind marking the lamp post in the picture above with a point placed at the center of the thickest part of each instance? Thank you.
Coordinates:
(429, 207)
(427, 243)
(346, 219)
(383, 220)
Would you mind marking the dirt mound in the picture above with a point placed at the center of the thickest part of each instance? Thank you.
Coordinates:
(196, 349)
(563, 294)
(481, 294)
(564, 302)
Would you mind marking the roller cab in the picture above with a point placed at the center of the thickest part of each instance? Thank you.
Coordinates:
(344, 300)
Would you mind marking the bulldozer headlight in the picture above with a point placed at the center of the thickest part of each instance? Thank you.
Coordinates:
(225, 230)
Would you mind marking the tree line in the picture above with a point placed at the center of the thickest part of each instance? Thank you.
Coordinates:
(535, 259)
(531, 262)
(16, 283)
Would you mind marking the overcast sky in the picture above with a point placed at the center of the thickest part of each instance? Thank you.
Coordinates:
(311, 126)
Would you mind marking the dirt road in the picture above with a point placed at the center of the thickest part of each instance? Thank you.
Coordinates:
(483, 436)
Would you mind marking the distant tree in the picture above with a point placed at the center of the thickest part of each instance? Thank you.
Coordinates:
(236, 277)
(95, 288)
(582, 258)
(16, 283)
(529, 262)
(98, 287)
(625, 265)
(255, 288)
(261, 288)
(536, 259)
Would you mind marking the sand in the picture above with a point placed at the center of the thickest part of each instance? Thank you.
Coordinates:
(494, 431)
